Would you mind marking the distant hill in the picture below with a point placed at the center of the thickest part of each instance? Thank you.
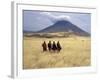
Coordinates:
(64, 26)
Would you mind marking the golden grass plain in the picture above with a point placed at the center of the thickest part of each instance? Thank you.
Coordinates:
(76, 52)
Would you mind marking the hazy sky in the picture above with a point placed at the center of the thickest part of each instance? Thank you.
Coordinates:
(38, 20)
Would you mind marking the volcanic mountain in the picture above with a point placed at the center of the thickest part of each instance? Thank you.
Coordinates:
(64, 26)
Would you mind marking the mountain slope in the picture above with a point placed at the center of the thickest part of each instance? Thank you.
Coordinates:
(64, 26)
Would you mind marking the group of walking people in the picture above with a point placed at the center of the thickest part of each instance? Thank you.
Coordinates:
(51, 46)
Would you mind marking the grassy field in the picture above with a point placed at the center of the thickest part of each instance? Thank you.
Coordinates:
(75, 52)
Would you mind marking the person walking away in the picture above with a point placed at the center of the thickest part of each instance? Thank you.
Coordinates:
(49, 46)
(54, 47)
(58, 46)
(44, 46)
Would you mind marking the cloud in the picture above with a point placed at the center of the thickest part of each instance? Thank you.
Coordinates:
(63, 17)
(55, 18)
(48, 14)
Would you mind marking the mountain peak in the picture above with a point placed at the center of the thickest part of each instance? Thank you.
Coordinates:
(63, 22)
(64, 26)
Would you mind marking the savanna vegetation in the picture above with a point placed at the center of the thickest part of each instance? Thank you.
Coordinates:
(75, 52)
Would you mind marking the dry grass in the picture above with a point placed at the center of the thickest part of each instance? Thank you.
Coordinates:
(75, 52)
